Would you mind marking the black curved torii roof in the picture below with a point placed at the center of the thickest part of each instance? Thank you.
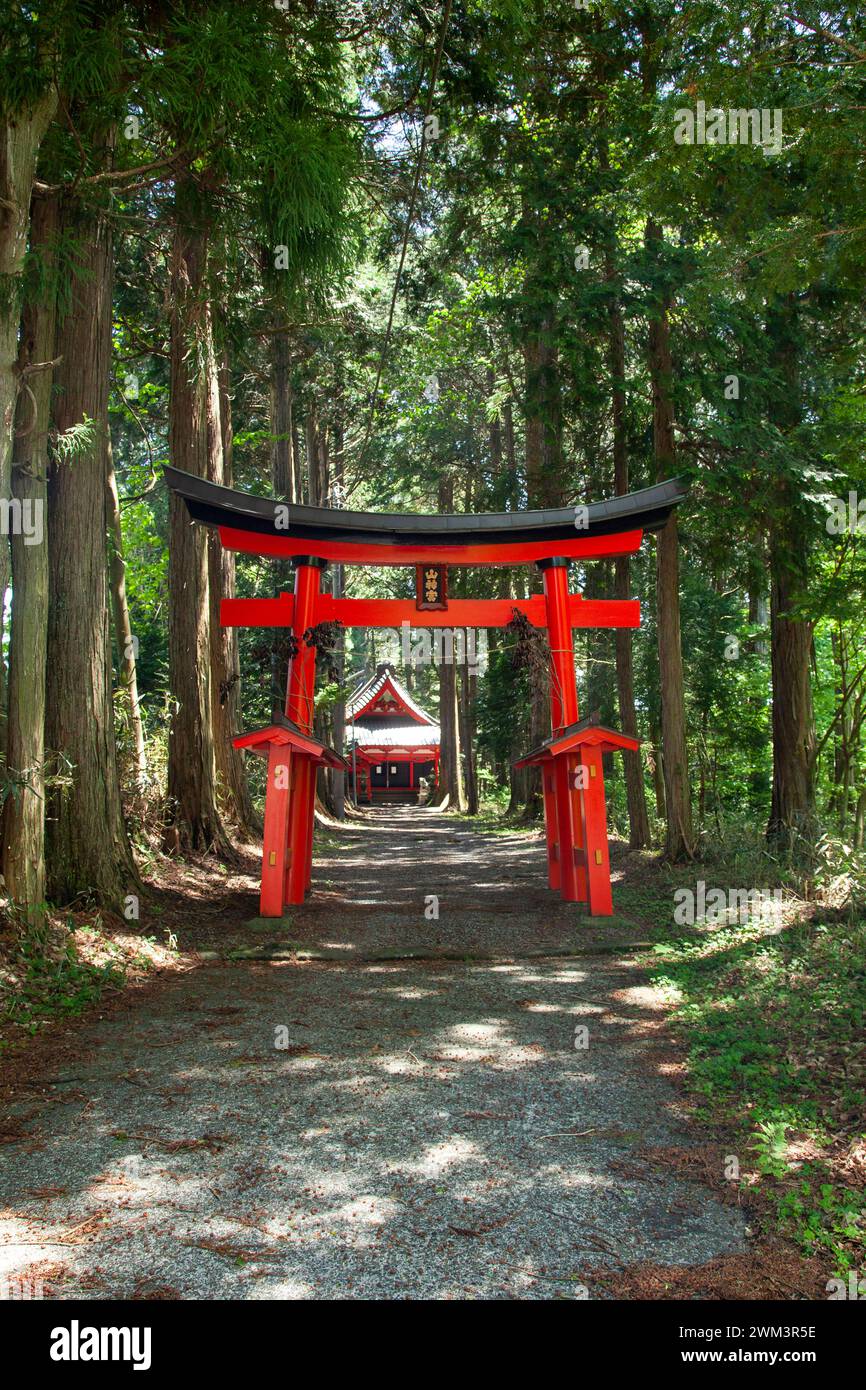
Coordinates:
(237, 513)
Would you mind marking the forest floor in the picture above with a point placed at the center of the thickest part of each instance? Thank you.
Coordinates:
(368, 1100)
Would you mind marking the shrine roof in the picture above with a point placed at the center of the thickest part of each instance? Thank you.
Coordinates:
(394, 736)
(370, 700)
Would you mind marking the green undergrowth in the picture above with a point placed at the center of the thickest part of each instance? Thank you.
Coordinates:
(60, 969)
(772, 1017)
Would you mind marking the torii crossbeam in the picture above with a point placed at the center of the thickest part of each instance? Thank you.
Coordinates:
(312, 537)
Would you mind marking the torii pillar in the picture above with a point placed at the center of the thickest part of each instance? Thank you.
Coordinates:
(299, 708)
(562, 807)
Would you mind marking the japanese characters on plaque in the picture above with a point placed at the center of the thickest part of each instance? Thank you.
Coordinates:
(431, 586)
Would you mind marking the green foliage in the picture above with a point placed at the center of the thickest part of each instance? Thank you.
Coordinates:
(826, 1217)
(53, 982)
(74, 442)
(75, 43)
(773, 1021)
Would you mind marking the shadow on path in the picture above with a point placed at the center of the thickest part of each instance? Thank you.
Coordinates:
(392, 1129)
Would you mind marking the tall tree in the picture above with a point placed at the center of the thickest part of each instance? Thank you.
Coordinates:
(88, 849)
(22, 128)
(28, 100)
(24, 819)
(123, 634)
(791, 632)
(194, 812)
(679, 837)
(225, 660)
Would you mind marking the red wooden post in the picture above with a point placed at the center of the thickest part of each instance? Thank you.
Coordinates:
(299, 708)
(571, 879)
(551, 824)
(302, 669)
(311, 820)
(563, 711)
(563, 686)
(275, 832)
(595, 833)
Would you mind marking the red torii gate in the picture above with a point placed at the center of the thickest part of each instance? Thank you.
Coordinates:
(570, 761)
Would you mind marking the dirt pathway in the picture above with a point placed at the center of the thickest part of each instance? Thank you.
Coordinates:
(368, 1128)
(411, 881)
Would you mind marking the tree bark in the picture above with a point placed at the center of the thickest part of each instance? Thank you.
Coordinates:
(468, 695)
(123, 635)
(283, 462)
(20, 140)
(792, 806)
(679, 835)
(194, 816)
(793, 798)
(286, 486)
(24, 818)
(450, 769)
(544, 467)
(232, 789)
(521, 780)
(338, 582)
(657, 766)
(638, 819)
(544, 485)
(317, 458)
(88, 850)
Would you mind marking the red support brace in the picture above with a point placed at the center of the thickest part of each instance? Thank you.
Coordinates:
(461, 612)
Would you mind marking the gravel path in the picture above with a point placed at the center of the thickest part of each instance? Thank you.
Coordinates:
(373, 896)
(370, 1129)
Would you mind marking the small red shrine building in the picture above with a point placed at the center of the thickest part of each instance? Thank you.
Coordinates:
(391, 743)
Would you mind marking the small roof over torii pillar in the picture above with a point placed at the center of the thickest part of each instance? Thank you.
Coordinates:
(580, 747)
